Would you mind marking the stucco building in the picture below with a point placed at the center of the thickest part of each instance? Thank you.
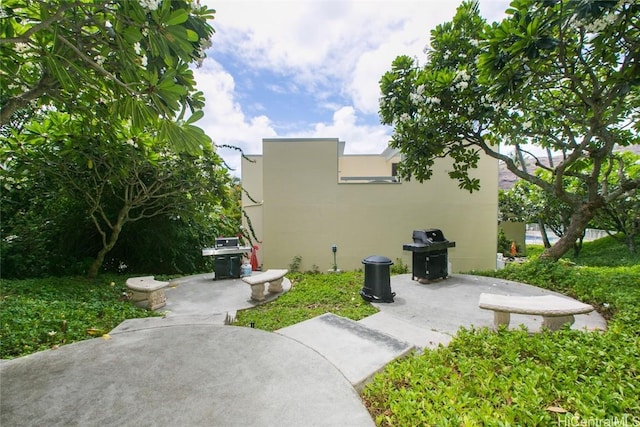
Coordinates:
(310, 196)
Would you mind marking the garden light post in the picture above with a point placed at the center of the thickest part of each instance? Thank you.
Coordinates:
(334, 249)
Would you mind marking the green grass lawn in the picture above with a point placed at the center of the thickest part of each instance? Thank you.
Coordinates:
(311, 295)
(38, 314)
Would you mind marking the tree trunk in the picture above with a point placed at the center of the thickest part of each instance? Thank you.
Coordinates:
(579, 221)
(634, 230)
(631, 243)
(543, 234)
(521, 160)
(96, 264)
(577, 246)
(106, 248)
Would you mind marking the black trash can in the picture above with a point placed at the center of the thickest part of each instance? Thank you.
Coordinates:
(377, 279)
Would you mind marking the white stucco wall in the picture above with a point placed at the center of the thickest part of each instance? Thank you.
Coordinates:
(306, 210)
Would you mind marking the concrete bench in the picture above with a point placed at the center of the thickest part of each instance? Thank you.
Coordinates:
(555, 311)
(257, 282)
(146, 292)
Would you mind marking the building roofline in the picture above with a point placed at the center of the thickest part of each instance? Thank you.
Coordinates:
(390, 153)
(299, 139)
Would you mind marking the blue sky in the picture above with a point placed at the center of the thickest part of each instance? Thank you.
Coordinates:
(310, 68)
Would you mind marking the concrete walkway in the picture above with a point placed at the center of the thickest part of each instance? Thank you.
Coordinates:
(189, 369)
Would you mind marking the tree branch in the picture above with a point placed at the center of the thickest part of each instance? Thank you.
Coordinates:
(94, 65)
(24, 38)
(44, 86)
(511, 165)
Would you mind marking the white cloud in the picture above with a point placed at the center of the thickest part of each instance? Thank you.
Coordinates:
(332, 51)
(224, 120)
(359, 138)
(418, 18)
(322, 42)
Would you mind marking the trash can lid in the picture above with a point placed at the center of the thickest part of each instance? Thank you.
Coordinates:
(377, 259)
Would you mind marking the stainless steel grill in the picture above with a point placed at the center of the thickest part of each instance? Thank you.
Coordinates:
(227, 254)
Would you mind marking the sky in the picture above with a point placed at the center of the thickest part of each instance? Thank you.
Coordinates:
(310, 68)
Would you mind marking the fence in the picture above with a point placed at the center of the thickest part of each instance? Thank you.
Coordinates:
(534, 237)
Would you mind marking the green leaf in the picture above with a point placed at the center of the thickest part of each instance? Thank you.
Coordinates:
(169, 60)
(61, 73)
(177, 38)
(177, 17)
(192, 36)
(197, 115)
(132, 34)
(546, 43)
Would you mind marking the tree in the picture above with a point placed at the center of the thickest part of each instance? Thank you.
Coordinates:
(540, 207)
(43, 231)
(513, 205)
(559, 74)
(124, 59)
(117, 178)
(623, 216)
(97, 109)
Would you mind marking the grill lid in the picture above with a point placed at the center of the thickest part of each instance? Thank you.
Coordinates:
(430, 235)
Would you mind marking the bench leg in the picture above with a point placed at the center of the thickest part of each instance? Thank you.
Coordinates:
(275, 286)
(152, 300)
(257, 292)
(555, 323)
(157, 299)
(501, 318)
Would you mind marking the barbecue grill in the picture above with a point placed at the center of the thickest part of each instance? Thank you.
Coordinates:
(430, 258)
(227, 255)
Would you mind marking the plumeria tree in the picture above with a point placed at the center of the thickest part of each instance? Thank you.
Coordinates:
(123, 59)
(98, 106)
(562, 75)
(117, 179)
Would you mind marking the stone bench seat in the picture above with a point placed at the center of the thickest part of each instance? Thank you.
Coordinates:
(555, 311)
(146, 292)
(258, 281)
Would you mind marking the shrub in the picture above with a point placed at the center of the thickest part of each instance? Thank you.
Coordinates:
(504, 244)
(512, 378)
(38, 314)
(294, 266)
(399, 267)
